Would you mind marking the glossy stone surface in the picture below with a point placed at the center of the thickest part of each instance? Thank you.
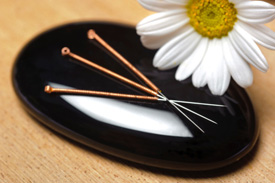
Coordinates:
(151, 133)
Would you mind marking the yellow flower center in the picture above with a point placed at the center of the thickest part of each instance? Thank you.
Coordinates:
(212, 18)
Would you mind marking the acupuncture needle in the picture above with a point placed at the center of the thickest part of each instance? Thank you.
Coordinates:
(49, 89)
(93, 35)
(66, 52)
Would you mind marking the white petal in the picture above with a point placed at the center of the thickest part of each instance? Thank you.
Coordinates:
(158, 5)
(171, 50)
(237, 1)
(193, 61)
(256, 20)
(255, 12)
(238, 68)
(199, 77)
(179, 2)
(256, 5)
(247, 48)
(186, 48)
(261, 34)
(162, 23)
(161, 20)
(218, 76)
(155, 42)
(157, 29)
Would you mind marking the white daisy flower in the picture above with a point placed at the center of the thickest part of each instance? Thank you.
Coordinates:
(211, 39)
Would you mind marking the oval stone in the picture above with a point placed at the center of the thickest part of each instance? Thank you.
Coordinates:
(153, 133)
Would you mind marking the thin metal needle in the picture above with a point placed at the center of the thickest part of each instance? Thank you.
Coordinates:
(195, 113)
(93, 35)
(174, 104)
(198, 103)
(66, 51)
(49, 89)
(186, 116)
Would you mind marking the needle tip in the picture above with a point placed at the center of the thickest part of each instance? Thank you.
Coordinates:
(65, 51)
(91, 34)
(48, 89)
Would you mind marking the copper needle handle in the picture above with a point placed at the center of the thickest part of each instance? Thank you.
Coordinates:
(66, 51)
(92, 35)
(49, 89)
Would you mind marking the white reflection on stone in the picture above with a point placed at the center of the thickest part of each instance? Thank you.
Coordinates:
(134, 117)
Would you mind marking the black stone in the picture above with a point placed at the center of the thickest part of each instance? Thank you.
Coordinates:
(115, 126)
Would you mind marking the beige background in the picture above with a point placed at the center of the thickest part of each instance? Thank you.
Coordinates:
(32, 153)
